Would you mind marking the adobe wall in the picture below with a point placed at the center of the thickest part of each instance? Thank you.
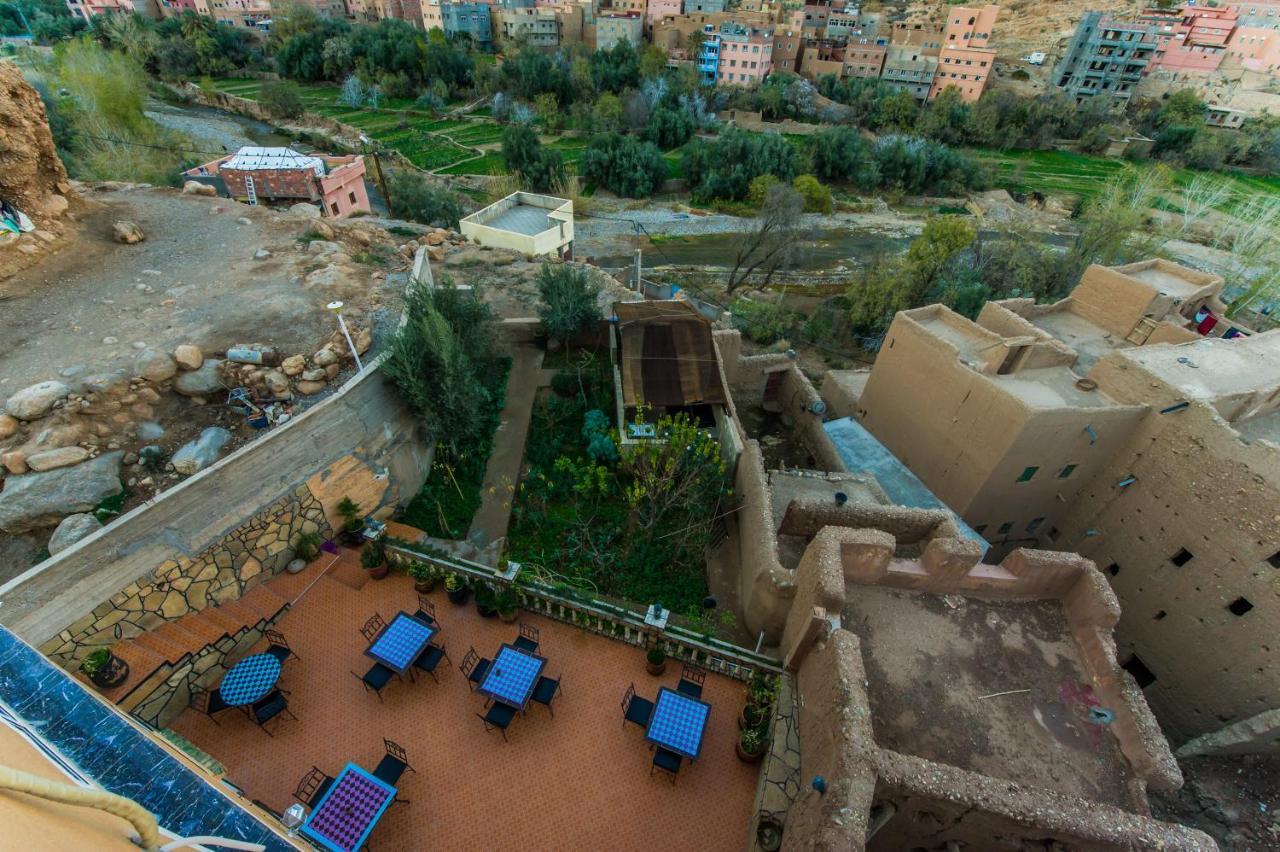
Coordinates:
(764, 586)
(225, 526)
(1110, 299)
(795, 398)
(1197, 487)
(842, 390)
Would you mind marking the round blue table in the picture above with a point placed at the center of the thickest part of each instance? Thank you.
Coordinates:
(250, 679)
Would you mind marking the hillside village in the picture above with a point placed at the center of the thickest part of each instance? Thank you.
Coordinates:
(842, 426)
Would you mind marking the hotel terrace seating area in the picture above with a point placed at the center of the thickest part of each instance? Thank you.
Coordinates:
(574, 776)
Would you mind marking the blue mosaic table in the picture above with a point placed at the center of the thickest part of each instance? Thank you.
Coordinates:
(512, 676)
(400, 642)
(250, 679)
(678, 722)
(345, 817)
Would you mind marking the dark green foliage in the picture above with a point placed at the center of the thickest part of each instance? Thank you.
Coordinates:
(569, 301)
(540, 168)
(914, 165)
(725, 168)
(616, 69)
(532, 72)
(281, 98)
(669, 128)
(1173, 140)
(623, 165)
(843, 155)
(417, 199)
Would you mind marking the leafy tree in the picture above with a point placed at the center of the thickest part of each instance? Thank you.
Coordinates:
(615, 69)
(896, 111)
(606, 114)
(726, 167)
(570, 301)
(1173, 141)
(770, 243)
(759, 188)
(672, 482)
(538, 167)
(1184, 108)
(624, 165)
(945, 118)
(669, 128)
(817, 198)
(547, 109)
(418, 200)
(281, 98)
(843, 154)
(353, 92)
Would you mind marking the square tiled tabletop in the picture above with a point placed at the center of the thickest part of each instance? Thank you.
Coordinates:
(512, 676)
(345, 817)
(400, 642)
(678, 722)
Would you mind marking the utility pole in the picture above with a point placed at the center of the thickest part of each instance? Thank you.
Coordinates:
(639, 286)
(377, 170)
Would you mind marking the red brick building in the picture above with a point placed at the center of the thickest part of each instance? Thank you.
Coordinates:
(283, 176)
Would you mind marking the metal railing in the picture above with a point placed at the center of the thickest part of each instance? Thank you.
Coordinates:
(612, 621)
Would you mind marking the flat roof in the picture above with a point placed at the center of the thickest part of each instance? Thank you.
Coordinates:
(1051, 387)
(994, 687)
(1214, 367)
(523, 219)
(1166, 281)
(1089, 340)
(250, 159)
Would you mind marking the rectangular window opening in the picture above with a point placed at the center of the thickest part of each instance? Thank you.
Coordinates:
(1239, 606)
(1143, 675)
(1035, 524)
(1027, 474)
(1113, 569)
(1067, 471)
(1182, 557)
(1161, 615)
(1274, 559)
(1005, 528)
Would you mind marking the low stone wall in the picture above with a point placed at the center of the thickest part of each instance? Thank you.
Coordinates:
(209, 538)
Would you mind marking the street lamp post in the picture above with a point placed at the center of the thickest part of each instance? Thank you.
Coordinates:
(336, 307)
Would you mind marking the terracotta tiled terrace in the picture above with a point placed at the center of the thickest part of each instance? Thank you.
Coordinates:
(578, 780)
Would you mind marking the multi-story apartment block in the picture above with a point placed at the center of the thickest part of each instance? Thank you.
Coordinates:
(822, 56)
(539, 27)
(471, 19)
(1255, 49)
(656, 10)
(614, 28)
(788, 49)
(1131, 422)
(965, 61)
(736, 54)
(1193, 41)
(864, 57)
(703, 7)
(910, 68)
(1107, 56)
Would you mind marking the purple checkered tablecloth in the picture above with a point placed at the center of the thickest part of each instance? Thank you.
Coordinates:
(678, 722)
(348, 812)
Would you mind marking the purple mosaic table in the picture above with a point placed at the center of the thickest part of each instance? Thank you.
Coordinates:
(345, 817)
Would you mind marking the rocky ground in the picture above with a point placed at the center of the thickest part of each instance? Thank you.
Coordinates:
(1233, 799)
(119, 349)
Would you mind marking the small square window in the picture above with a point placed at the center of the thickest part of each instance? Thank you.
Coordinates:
(1160, 616)
(1274, 559)
(1113, 569)
(1182, 557)
(1067, 471)
(980, 529)
(1005, 528)
(1035, 524)
(1239, 606)
(1143, 675)
(1054, 535)
(1027, 474)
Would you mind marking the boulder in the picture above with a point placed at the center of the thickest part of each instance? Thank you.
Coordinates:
(54, 206)
(127, 232)
(14, 461)
(325, 277)
(189, 357)
(150, 431)
(436, 253)
(37, 500)
(201, 382)
(8, 426)
(34, 402)
(277, 382)
(316, 375)
(363, 339)
(154, 366)
(196, 455)
(293, 365)
(435, 238)
(261, 254)
(195, 187)
(325, 357)
(324, 247)
(323, 230)
(308, 388)
(72, 529)
(361, 236)
(302, 208)
(61, 457)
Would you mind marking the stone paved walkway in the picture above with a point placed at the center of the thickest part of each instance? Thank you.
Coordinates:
(503, 471)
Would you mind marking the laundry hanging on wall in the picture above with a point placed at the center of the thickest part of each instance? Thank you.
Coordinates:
(13, 220)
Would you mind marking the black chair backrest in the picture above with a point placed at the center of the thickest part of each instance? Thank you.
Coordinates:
(427, 606)
(275, 637)
(310, 785)
(372, 626)
(397, 751)
(469, 661)
(269, 707)
(693, 674)
(528, 631)
(627, 696)
(207, 701)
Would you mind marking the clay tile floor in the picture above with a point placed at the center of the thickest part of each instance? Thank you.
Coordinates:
(579, 780)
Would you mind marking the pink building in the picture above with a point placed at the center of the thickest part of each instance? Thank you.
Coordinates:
(283, 176)
(1195, 40)
(87, 9)
(745, 54)
(656, 10)
(965, 62)
(1255, 49)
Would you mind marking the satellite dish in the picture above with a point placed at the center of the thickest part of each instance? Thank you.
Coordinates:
(818, 407)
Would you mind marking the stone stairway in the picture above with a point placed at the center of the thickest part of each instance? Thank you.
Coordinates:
(155, 655)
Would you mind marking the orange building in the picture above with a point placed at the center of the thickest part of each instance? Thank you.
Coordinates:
(965, 61)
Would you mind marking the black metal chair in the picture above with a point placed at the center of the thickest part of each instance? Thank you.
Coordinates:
(667, 761)
(312, 787)
(427, 611)
(271, 707)
(546, 689)
(528, 638)
(430, 659)
(498, 716)
(209, 702)
(473, 668)
(376, 678)
(691, 680)
(393, 765)
(278, 646)
(635, 709)
(372, 626)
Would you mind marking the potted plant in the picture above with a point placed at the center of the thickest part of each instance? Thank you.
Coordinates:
(374, 560)
(750, 745)
(425, 577)
(507, 603)
(456, 588)
(655, 660)
(104, 668)
(751, 716)
(486, 599)
(352, 534)
(762, 692)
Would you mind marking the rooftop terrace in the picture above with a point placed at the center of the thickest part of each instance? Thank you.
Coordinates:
(575, 780)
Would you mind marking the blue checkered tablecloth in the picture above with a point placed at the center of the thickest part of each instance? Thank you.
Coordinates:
(512, 676)
(250, 679)
(345, 817)
(678, 722)
(400, 642)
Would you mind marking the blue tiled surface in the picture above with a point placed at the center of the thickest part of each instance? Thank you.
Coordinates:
(677, 722)
(511, 677)
(400, 642)
(250, 679)
(115, 754)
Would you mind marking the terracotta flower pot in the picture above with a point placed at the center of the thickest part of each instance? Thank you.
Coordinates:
(458, 596)
(379, 572)
(655, 669)
(746, 756)
(508, 617)
(112, 673)
(425, 587)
